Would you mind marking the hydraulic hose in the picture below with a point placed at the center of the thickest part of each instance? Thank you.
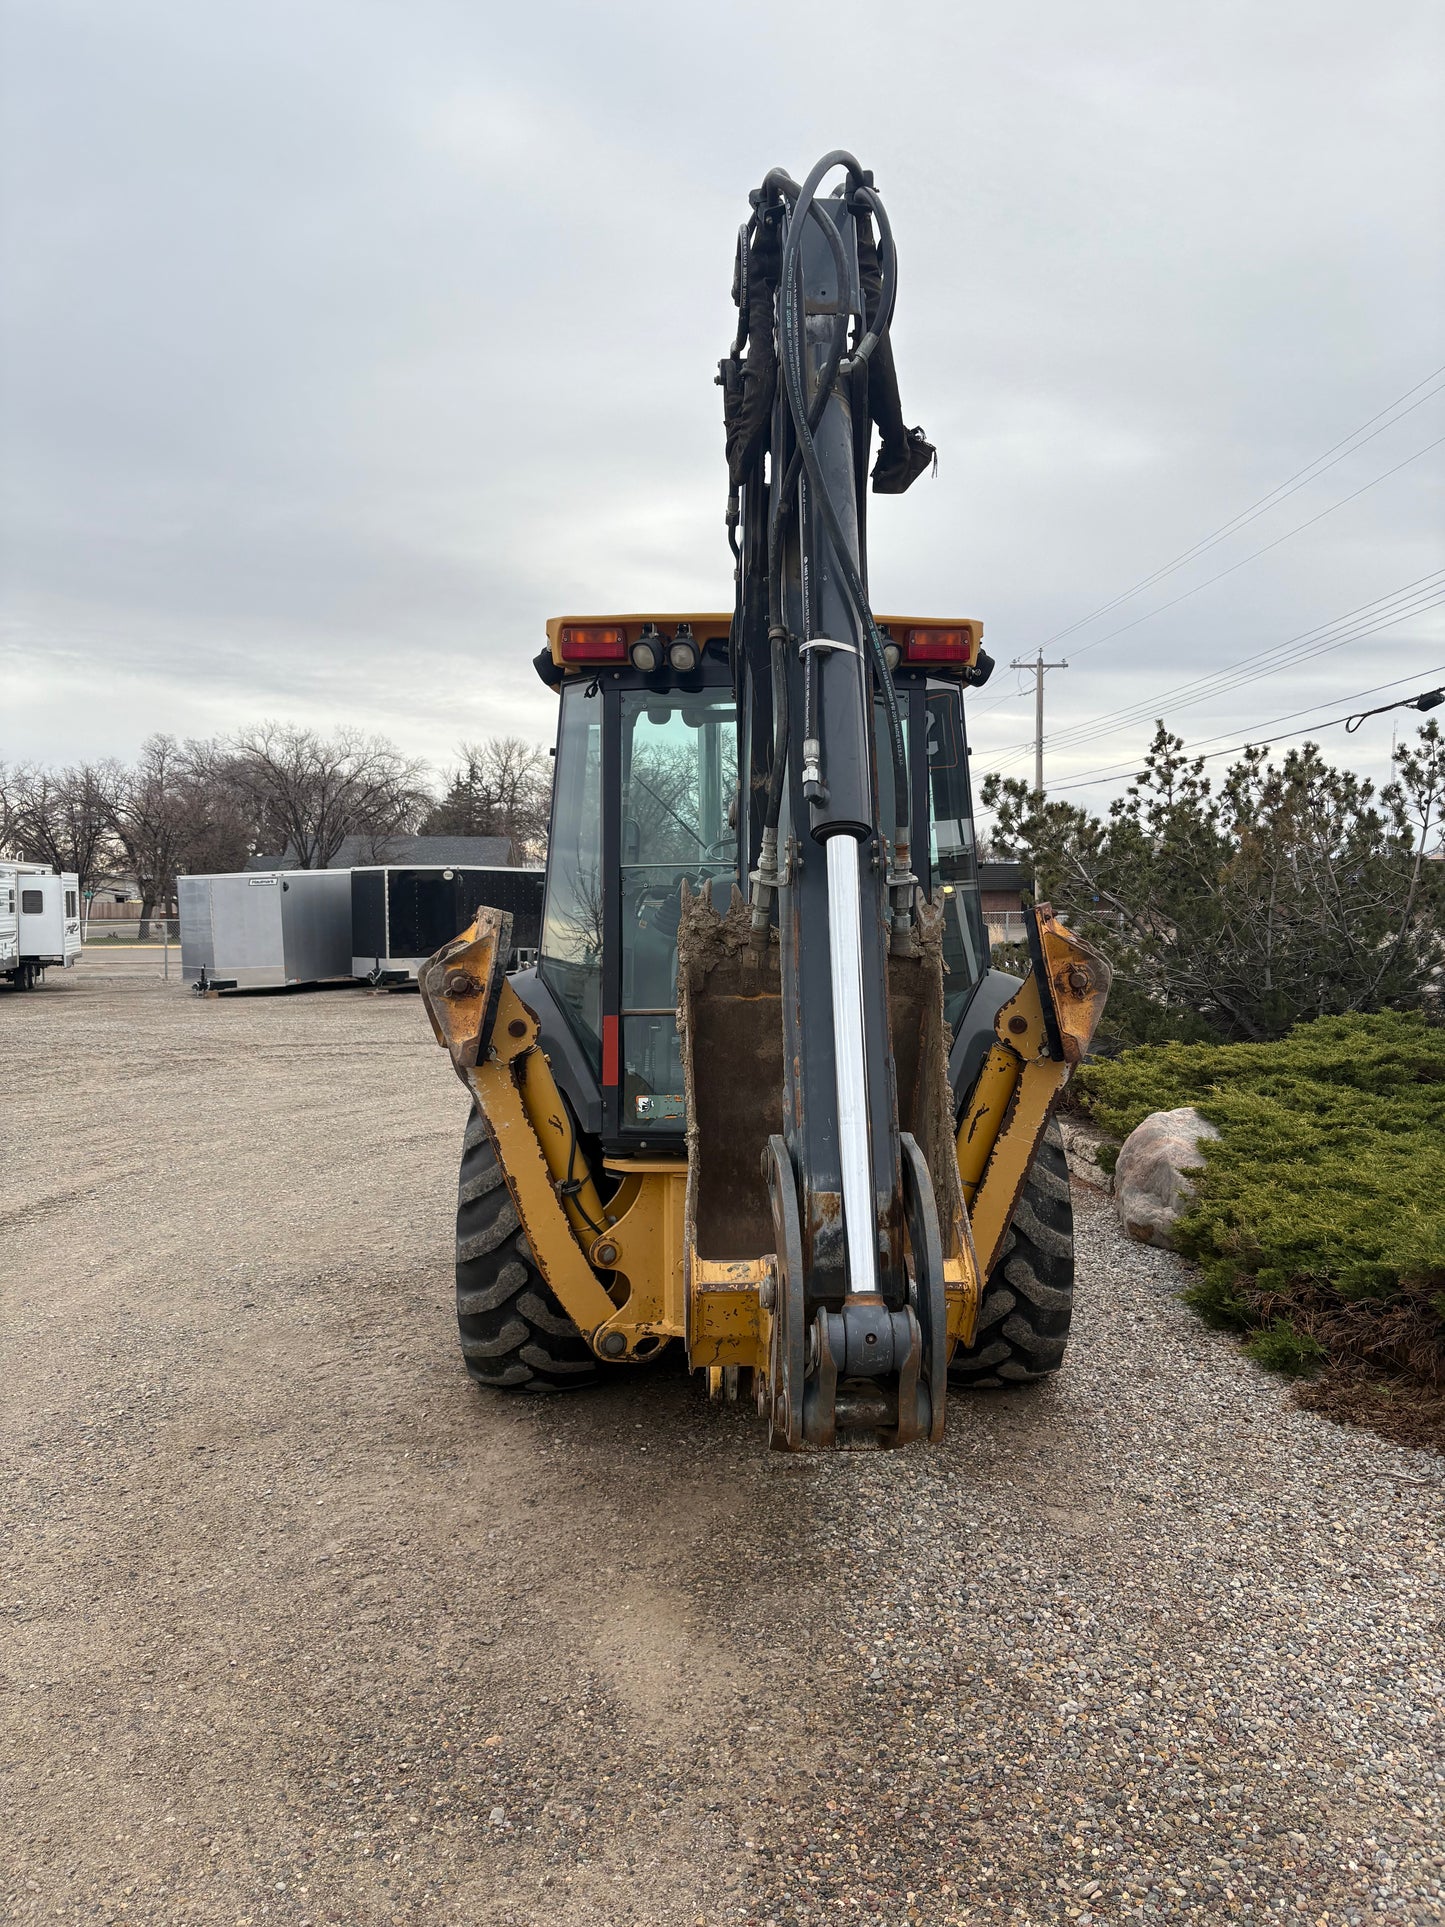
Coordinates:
(791, 357)
(777, 632)
(888, 268)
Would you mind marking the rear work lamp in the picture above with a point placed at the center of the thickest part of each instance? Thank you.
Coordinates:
(647, 650)
(683, 652)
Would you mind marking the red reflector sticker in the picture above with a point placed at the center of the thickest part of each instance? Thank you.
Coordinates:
(609, 1050)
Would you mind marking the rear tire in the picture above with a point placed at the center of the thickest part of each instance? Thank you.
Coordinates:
(1028, 1302)
(515, 1336)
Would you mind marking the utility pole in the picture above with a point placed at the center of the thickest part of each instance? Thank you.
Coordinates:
(1038, 666)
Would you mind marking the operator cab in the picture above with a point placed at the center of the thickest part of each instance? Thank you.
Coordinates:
(645, 799)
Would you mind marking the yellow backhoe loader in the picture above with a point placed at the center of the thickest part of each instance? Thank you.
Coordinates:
(762, 1095)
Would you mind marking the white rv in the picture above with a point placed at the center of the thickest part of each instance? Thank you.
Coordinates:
(46, 922)
(9, 920)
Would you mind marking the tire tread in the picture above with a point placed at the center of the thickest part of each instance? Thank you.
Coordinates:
(515, 1336)
(1028, 1301)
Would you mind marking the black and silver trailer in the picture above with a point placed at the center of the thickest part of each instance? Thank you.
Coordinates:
(401, 916)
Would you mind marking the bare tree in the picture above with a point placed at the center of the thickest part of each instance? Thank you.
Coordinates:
(169, 817)
(9, 809)
(306, 793)
(221, 833)
(65, 818)
(502, 787)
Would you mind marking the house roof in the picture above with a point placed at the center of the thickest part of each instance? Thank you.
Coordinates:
(1000, 876)
(425, 852)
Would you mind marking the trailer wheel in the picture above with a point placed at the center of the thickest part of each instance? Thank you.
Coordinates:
(515, 1336)
(1023, 1323)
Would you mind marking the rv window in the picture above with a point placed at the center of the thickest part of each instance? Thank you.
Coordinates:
(70, 909)
(32, 902)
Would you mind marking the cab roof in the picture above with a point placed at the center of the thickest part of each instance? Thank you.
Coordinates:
(600, 639)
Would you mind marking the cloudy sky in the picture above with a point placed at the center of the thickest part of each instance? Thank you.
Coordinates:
(343, 342)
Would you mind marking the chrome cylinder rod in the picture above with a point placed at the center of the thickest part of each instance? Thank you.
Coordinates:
(845, 948)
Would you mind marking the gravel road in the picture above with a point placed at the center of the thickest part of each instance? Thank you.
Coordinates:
(297, 1628)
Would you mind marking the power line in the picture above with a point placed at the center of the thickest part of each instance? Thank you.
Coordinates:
(1038, 668)
(1339, 642)
(1255, 554)
(1310, 472)
(998, 702)
(1226, 686)
(1367, 621)
(1102, 774)
(1182, 698)
(1410, 599)
(1427, 699)
(1007, 696)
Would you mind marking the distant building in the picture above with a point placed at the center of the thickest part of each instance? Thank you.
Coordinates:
(1000, 887)
(405, 852)
(115, 898)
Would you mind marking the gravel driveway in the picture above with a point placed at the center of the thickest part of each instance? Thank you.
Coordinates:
(297, 1628)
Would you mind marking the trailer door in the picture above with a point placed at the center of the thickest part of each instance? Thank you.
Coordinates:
(74, 941)
(42, 926)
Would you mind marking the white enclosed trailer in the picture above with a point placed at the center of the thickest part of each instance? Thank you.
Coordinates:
(50, 934)
(261, 929)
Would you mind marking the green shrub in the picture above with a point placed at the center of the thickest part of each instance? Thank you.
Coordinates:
(1328, 1177)
(1219, 1303)
(1280, 1348)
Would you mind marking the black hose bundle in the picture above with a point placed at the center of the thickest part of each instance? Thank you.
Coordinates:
(805, 419)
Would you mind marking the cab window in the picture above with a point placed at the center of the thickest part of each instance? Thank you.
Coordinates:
(952, 852)
(570, 962)
(679, 777)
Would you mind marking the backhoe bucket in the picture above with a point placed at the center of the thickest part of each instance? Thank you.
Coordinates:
(740, 1220)
(729, 1009)
(729, 1000)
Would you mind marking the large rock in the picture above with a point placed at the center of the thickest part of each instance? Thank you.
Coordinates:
(1151, 1189)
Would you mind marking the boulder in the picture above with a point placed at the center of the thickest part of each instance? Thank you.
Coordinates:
(1151, 1189)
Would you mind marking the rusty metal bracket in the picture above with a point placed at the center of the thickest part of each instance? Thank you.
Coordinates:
(1043, 1031)
(1077, 977)
(462, 983)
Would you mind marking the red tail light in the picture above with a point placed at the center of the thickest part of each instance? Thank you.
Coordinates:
(938, 645)
(592, 643)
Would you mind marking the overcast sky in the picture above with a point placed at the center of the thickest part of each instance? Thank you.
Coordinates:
(344, 342)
